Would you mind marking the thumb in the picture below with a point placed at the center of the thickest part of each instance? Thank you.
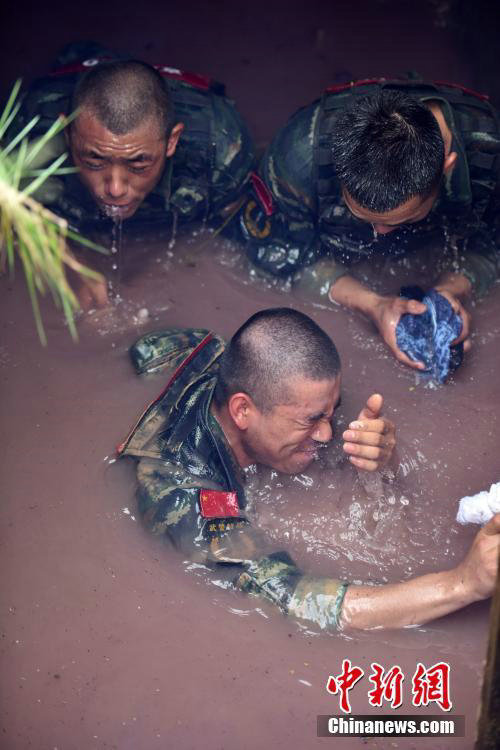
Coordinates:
(372, 408)
(493, 526)
(415, 307)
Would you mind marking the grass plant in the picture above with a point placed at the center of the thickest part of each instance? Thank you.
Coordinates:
(28, 230)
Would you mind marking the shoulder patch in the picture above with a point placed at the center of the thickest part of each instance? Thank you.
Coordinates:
(217, 504)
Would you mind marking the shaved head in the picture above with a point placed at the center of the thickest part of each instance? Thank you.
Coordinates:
(273, 348)
(123, 95)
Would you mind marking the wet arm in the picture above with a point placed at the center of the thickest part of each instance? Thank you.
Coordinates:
(398, 605)
(351, 293)
(385, 311)
(430, 596)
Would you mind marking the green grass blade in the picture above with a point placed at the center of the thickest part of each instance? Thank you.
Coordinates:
(19, 137)
(50, 170)
(9, 107)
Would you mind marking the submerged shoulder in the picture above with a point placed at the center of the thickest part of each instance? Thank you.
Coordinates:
(290, 156)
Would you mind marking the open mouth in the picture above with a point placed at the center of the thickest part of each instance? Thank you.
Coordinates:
(313, 449)
(113, 211)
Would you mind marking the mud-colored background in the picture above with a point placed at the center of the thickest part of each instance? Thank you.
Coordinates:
(110, 640)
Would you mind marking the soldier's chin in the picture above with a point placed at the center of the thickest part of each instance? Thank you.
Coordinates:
(304, 458)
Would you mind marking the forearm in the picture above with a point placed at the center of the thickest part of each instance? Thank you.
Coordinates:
(405, 604)
(351, 293)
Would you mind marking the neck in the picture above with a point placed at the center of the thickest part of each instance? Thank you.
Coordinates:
(232, 434)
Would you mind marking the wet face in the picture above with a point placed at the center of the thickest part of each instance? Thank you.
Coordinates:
(289, 436)
(119, 170)
(410, 212)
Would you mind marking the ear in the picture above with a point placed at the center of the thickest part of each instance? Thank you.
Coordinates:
(173, 138)
(241, 407)
(450, 161)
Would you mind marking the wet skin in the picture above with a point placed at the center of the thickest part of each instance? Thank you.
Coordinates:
(119, 171)
(386, 311)
(413, 210)
(287, 438)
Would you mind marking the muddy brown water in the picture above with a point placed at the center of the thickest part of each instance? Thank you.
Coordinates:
(109, 639)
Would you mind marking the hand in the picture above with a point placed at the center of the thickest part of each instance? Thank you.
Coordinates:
(370, 440)
(478, 571)
(92, 293)
(459, 309)
(385, 313)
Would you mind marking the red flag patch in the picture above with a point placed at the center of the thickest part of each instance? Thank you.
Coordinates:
(217, 504)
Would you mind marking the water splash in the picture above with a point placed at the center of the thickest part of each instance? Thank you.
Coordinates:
(173, 237)
(114, 281)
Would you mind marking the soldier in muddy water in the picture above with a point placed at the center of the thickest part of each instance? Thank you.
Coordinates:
(150, 144)
(261, 401)
(382, 177)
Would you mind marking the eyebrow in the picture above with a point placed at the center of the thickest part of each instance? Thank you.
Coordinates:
(323, 414)
(143, 156)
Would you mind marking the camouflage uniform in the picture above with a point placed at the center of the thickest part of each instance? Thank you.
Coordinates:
(191, 488)
(208, 171)
(296, 216)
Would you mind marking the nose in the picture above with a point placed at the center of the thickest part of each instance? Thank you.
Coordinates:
(383, 228)
(323, 432)
(116, 184)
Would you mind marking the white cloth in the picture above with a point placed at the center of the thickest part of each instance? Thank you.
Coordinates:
(480, 508)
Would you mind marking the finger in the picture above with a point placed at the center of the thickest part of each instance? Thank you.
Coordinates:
(363, 463)
(464, 333)
(364, 438)
(373, 407)
(405, 360)
(85, 298)
(368, 425)
(414, 307)
(465, 324)
(371, 452)
(467, 345)
(380, 425)
(100, 292)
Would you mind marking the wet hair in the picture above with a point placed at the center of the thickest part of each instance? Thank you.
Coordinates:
(271, 348)
(123, 94)
(387, 148)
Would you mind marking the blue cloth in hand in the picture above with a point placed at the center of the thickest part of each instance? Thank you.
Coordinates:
(427, 337)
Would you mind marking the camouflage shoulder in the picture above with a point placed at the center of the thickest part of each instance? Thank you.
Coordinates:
(160, 350)
(287, 165)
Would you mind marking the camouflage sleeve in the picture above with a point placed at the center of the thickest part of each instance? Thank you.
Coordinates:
(169, 503)
(481, 268)
(234, 155)
(480, 252)
(285, 241)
